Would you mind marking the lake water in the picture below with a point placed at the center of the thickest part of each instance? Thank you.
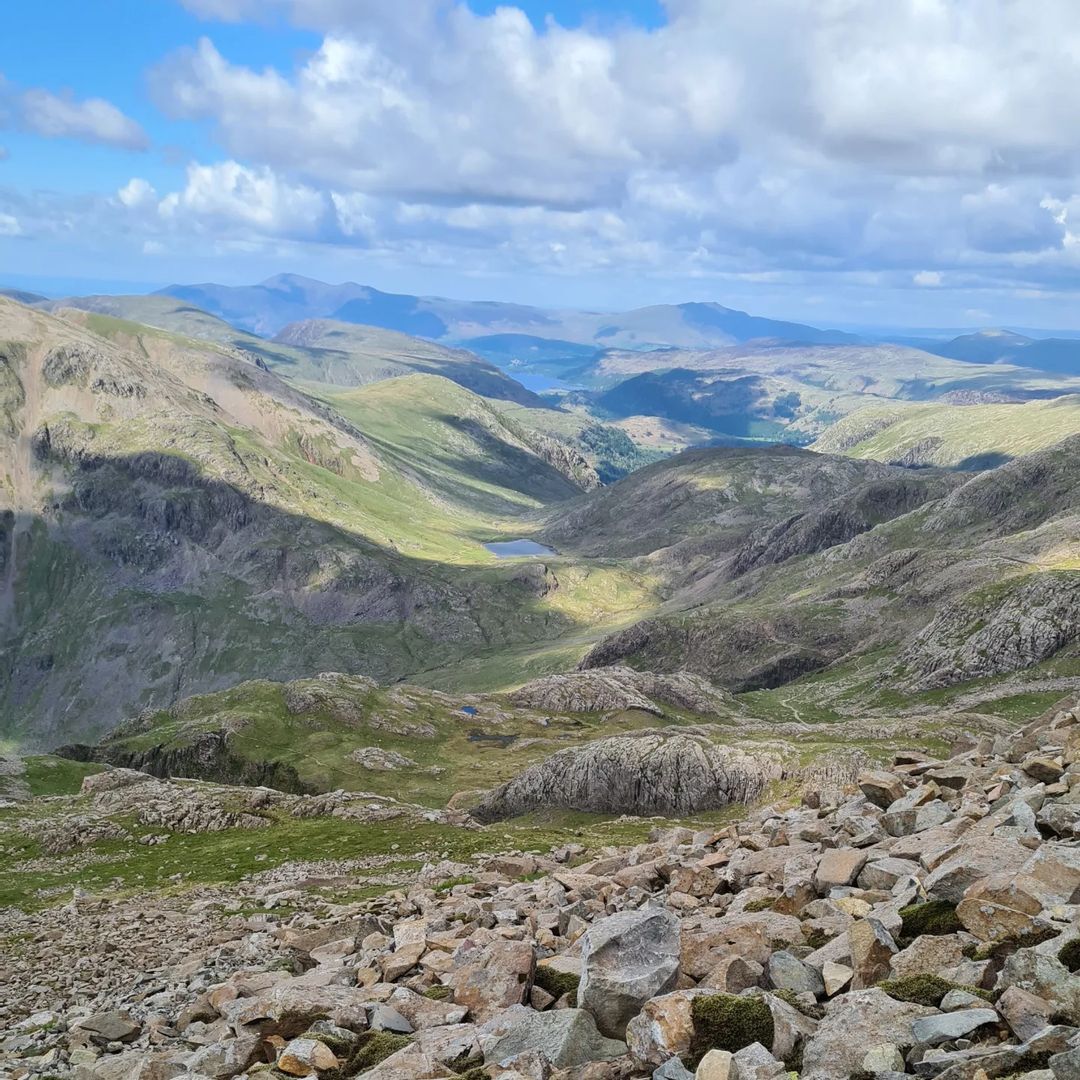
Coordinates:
(512, 549)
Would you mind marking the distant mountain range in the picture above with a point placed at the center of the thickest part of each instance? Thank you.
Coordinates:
(1061, 355)
(287, 298)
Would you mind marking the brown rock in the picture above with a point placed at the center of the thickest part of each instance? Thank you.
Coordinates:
(880, 787)
(872, 949)
(502, 976)
(838, 866)
(307, 1057)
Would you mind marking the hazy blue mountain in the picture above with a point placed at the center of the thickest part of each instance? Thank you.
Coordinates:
(1059, 355)
(287, 298)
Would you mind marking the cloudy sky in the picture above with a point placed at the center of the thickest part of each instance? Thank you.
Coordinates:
(851, 162)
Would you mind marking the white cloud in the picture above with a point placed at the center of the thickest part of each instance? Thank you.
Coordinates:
(9, 225)
(229, 194)
(136, 192)
(92, 120)
(784, 144)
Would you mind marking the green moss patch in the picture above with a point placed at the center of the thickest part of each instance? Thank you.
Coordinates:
(925, 989)
(375, 1046)
(727, 1022)
(1069, 955)
(556, 983)
(935, 917)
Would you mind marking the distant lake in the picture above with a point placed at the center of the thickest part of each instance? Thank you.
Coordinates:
(512, 549)
(536, 383)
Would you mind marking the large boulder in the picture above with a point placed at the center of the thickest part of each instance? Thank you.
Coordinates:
(649, 773)
(495, 979)
(627, 959)
(854, 1023)
(566, 1037)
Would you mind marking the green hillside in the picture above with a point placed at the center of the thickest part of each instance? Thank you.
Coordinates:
(953, 436)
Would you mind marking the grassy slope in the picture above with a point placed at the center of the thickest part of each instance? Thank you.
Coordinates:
(413, 474)
(814, 385)
(951, 435)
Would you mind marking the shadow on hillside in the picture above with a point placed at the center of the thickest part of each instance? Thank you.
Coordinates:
(150, 581)
(981, 462)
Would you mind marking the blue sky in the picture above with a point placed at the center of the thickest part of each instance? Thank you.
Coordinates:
(909, 164)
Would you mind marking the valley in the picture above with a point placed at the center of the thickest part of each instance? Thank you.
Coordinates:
(346, 624)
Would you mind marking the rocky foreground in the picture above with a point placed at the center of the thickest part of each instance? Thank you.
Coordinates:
(926, 923)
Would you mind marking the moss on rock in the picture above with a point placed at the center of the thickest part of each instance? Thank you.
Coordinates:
(556, 982)
(375, 1046)
(727, 1022)
(935, 917)
(925, 989)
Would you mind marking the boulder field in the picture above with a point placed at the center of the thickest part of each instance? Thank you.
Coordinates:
(924, 923)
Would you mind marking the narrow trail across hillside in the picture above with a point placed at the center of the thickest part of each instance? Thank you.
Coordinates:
(22, 479)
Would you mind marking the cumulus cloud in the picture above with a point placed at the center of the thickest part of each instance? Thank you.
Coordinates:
(907, 145)
(91, 120)
(229, 194)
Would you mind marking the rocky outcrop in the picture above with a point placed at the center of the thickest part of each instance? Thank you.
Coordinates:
(616, 688)
(648, 773)
(837, 522)
(996, 632)
(205, 756)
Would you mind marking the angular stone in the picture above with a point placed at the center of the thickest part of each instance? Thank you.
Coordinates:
(672, 1069)
(854, 1022)
(933, 1030)
(1056, 866)
(787, 972)
(872, 950)
(716, 1065)
(880, 787)
(1000, 906)
(1043, 769)
(835, 977)
(566, 1037)
(1066, 1066)
(502, 976)
(289, 1010)
(1045, 977)
(664, 1028)
(223, 1060)
(733, 975)
(1025, 1013)
(929, 954)
(838, 866)
(754, 1062)
(626, 960)
(106, 1027)
(307, 1057)
(883, 1058)
(884, 873)
(972, 861)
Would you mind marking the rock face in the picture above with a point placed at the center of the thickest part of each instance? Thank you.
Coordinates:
(1031, 622)
(801, 939)
(627, 959)
(650, 773)
(617, 688)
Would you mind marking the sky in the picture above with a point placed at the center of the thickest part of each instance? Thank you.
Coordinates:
(840, 162)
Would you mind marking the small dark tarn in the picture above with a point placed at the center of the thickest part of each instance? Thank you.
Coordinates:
(514, 549)
(469, 710)
(488, 737)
